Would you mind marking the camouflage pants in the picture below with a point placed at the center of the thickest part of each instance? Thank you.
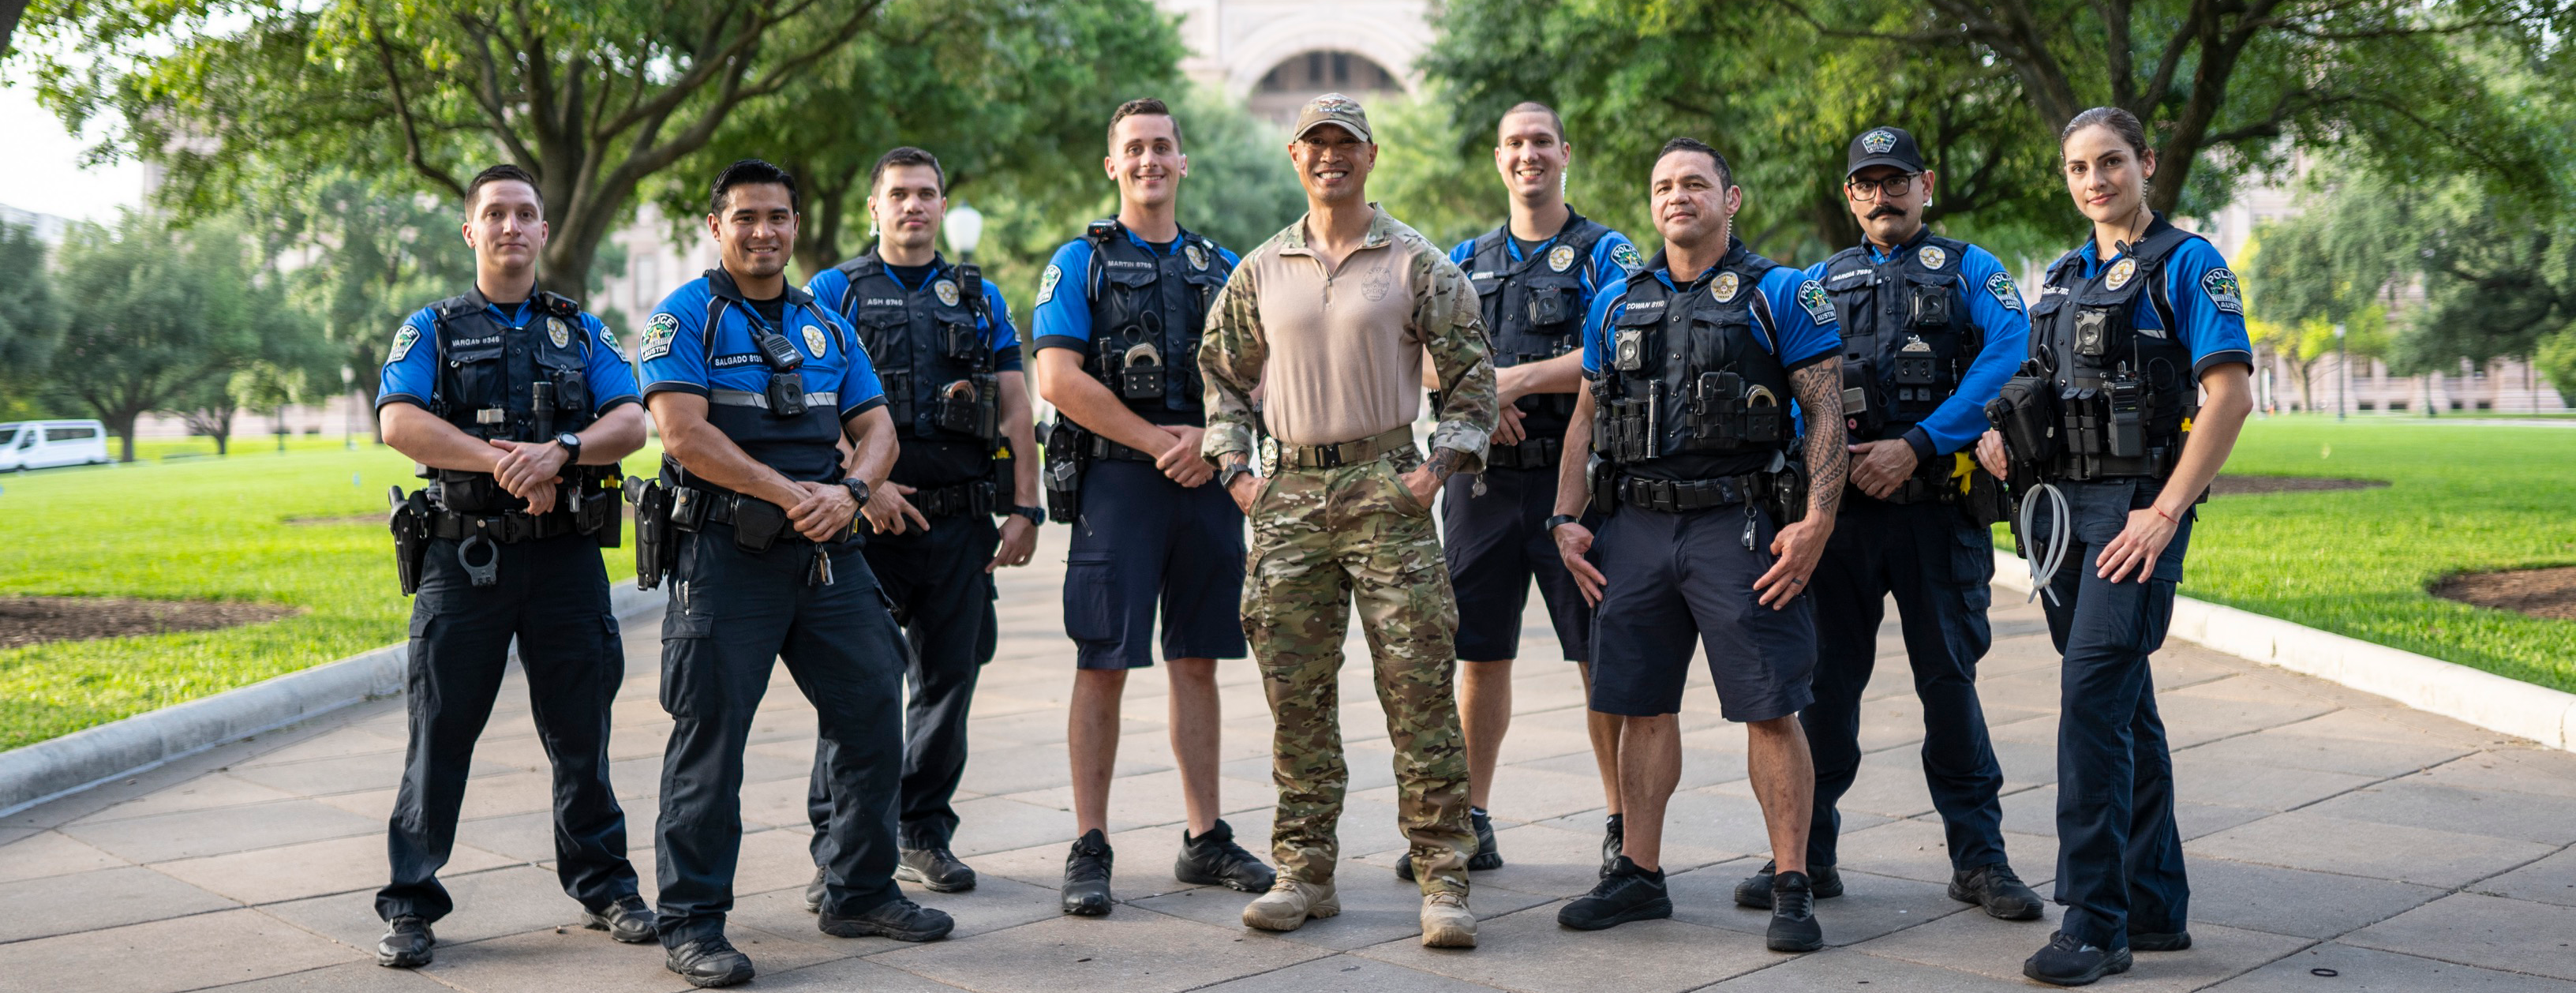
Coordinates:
(1319, 538)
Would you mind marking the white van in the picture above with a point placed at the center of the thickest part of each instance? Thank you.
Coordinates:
(45, 444)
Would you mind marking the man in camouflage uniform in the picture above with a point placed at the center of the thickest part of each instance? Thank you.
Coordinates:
(1343, 508)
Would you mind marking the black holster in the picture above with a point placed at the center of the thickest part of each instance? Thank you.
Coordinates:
(1067, 449)
(410, 524)
(592, 494)
(1786, 497)
(1600, 477)
(657, 547)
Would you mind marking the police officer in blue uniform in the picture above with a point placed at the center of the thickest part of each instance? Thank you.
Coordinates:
(517, 405)
(1931, 328)
(2135, 389)
(1117, 324)
(943, 345)
(1712, 529)
(754, 386)
(1536, 275)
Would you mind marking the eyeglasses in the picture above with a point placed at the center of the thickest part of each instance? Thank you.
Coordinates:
(1891, 187)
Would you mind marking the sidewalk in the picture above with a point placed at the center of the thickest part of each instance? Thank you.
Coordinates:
(2328, 830)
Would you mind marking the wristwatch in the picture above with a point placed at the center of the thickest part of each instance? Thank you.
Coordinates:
(1559, 520)
(858, 489)
(572, 446)
(1036, 515)
(1226, 475)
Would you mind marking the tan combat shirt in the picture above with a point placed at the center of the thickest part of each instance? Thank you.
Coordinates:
(1342, 351)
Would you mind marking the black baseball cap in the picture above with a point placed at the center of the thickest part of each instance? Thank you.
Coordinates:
(1884, 146)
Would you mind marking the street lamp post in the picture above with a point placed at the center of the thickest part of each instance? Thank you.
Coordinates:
(965, 227)
(2343, 376)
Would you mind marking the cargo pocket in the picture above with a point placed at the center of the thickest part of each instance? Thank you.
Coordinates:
(1090, 597)
(1434, 605)
(1972, 564)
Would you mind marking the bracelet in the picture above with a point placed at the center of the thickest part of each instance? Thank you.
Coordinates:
(2160, 512)
(1560, 520)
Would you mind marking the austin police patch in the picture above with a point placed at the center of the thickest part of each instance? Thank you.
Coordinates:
(556, 332)
(609, 339)
(1626, 255)
(1878, 142)
(814, 335)
(947, 295)
(2005, 293)
(1933, 257)
(404, 337)
(657, 337)
(1725, 287)
(1560, 258)
(1820, 308)
(1046, 283)
(2121, 272)
(1196, 255)
(2223, 292)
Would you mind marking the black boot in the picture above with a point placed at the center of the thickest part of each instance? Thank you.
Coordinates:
(626, 920)
(1613, 838)
(1755, 890)
(1995, 888)
(1627, 894)
(709, 962)
(1086, 876)
(406, 943)
(1793, 915)
(2068, 962)
(2152, 941)
(1486, 857)
(899, 919)
(1213, 859)
(936, 868)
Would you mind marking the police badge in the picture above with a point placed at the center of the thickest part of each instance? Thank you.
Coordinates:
(1269, 456)
(1196, 255)
(1560, 258)
(1727, 284)
(1933, 257)
(947, 296)
(2121, 272)
(557, 333)
(814, 335)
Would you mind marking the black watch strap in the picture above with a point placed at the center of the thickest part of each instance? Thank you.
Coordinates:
(858, 489)
(571, 445)
(1036, 515)
(1560, 520)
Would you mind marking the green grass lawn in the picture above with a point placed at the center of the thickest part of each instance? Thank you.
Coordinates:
(202, 529)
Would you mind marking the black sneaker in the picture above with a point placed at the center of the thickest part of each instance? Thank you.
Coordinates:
(709, 962)
(1995, 888)
(2151, 941)
(1613, 839)
(1755, 890)
(1487, 855)
(814, 893)
(2068, 962)
(936, 868)
(1627, 894)
(1793, 915)
(1213, 859)
(899, 919)
(406, 943)
(1086, 876)
(626, 920)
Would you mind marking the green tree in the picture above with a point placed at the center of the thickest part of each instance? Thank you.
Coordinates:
(1430, 174)
(2556, 359)
(161, 312)
(31, 320)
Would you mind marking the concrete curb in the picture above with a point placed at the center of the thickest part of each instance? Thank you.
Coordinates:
(2428, 684)
(74, 762)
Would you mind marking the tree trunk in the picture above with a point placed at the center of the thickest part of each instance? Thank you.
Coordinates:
(122, 424)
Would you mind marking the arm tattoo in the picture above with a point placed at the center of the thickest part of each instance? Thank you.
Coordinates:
(1819, 391)
(1444, 461)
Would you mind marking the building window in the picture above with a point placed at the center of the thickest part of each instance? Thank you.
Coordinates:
(2486, 405)
(2397, 405)
(2364, 405)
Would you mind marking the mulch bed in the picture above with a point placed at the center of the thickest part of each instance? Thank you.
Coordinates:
(2549, 593)
(2227, 485)
(29, 620)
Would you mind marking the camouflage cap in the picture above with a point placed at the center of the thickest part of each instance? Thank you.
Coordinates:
(1331, 108)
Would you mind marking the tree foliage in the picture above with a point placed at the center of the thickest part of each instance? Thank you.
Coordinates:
(31, 320)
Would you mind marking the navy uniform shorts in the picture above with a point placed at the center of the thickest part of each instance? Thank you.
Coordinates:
(1496, 544)
(1677, 578)
(1145, 544)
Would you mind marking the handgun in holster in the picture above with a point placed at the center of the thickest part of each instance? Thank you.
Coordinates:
(1786, 497)
(2025, 414)
(1600, 479)
(592, 493)
(1860, 416)
(410, 524)
(1061, 468)
(657, 547)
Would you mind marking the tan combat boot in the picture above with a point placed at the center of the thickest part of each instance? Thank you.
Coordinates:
(1289, 903)
(1446, 922)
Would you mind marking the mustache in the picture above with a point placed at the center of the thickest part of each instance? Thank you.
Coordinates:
(1885, 212)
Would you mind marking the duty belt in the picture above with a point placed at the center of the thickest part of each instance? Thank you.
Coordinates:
(971, 497)
(1675, 496)
(1103, 448)
(508, 529)
(723, 507)
(1345, 453)
(1531, 453)
(828, 399)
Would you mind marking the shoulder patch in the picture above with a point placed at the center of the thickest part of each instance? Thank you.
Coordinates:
(2005, 292)
(1811, 296)
(2220, 285)
(404, 337)
(609, 338)
(657, 337)
(1046, 283)
(1625, 255)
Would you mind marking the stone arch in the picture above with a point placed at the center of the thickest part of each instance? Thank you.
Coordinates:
(1391, 43)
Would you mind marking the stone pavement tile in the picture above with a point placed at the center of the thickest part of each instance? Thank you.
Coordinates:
(573, 960)
(222, 829)
(1000, 824)
(2025, 763)
(1974, 943)
(1529, 740)
(2035, 812)
(1127, 952)
(1530, 951)
(2492, 932)
(1528, 794)
(2211, 711)
(1844, 969)
(212, 790)
(2364, 970)
(2304, 840)
(2287, 748)
(347, 977)
(185, 953)
(1346, 974)
(994, 904)
(343, 774)
(2294, 901)
(1724, 821)
(2521, 770)
(777, 803)
(267, 875)
(1918, 850)
(488, 905)
(1871, 905)
(51, 853)
(843, 975)
(384, 733)
(1557, 861)
(2387, 721)
(2414, 801)
(100, 898)
(1889, 784)
(1372, 766)
(1700, 767)
(376, 805)
(1376, 908)
(2203, 777)
(1043, 728)
(1155, 798)
(2550, 880)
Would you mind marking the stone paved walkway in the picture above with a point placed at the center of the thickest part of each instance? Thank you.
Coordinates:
(2328, 830)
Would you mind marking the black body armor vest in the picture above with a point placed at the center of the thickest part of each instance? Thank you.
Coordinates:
(938, 372)
(790, 427)
(1147, 312)
(511, 384)
(2122, 392)
(1907, 338)
(1687, 391)
(1534, 308)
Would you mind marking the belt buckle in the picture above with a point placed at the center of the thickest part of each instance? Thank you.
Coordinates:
(1662, 491)
(1328, 456)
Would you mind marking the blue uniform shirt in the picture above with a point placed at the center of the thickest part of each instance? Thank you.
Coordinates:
(1806, 336)
(674, 355)
(831, 285)
(1613, 258)
(411, 368)
(1995, 307)
(1062, 318)
(2202, 294)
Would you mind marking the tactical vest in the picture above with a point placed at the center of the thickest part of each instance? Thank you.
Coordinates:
(1687, 391)
(1147, 312)
(2123, 392)
(936, 366)
(1534, 307)
(801, 440)
(1907, 339)
(490, 378)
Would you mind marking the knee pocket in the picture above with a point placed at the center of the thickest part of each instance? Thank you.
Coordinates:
(1091, 600)
(1972, 564)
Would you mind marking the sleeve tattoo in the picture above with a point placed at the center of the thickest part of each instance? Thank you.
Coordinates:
(1818, 388)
